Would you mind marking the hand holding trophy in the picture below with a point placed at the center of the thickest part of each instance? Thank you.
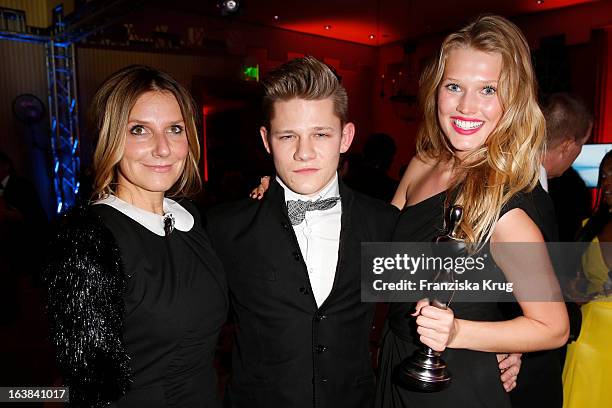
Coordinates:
(425, 370)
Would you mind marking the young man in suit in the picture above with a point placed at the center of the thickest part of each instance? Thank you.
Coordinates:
(293, 258)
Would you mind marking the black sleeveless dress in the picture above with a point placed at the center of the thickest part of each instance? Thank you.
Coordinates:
(476, 377)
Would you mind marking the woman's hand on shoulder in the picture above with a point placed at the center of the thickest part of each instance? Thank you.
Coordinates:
(259, 191)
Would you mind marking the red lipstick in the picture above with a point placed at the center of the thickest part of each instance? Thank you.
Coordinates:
(463, 131)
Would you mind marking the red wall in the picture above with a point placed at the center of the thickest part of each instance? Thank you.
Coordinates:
(603, 128)
(360, 66)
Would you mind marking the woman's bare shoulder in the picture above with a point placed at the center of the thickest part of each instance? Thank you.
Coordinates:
(416, 170)
(421, 164)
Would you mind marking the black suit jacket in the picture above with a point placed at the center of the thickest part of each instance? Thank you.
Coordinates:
(287, 351)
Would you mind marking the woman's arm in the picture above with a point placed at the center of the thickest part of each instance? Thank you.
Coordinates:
(544, 325)
(85, 283)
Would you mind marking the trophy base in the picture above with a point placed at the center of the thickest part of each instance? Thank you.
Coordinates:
(424, 371)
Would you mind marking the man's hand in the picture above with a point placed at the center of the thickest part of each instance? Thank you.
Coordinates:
(509, 366)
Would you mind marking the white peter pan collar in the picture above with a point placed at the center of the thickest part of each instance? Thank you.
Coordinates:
(183, 220)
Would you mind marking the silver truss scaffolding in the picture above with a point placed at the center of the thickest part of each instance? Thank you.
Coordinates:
(64, 121)
(59, 41)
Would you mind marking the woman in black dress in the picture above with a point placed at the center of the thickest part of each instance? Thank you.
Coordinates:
(480, 147)
(136, 294)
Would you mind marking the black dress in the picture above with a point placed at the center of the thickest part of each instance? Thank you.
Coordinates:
(476, 377)
(175, 305)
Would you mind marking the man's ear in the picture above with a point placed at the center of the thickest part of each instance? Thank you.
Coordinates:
(263, 131)
(566, 146)
(348, 133)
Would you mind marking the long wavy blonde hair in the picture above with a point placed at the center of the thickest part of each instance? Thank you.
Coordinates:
(110, 111)
(509, 160)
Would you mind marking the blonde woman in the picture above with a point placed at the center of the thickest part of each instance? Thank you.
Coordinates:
(479, 146)
(136, 295)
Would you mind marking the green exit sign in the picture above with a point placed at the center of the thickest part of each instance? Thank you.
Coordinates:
(251, 73)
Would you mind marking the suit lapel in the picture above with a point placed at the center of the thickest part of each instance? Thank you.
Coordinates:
(279, 234)
(273, 226)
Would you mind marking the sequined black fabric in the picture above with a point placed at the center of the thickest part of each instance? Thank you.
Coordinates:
(85, 282)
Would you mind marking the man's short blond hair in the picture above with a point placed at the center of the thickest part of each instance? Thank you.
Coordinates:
(304, 78)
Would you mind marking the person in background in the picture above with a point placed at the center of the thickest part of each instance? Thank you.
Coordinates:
(587, 379)
(18, 194)
(569, 125)
(136, 295)
(370, 176)
(23, 234)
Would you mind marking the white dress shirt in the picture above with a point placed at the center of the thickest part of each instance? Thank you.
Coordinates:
(319, 239)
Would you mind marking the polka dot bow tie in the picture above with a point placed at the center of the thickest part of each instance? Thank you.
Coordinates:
(297, 208)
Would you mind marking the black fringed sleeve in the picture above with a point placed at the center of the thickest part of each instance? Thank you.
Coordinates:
(86, 282)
